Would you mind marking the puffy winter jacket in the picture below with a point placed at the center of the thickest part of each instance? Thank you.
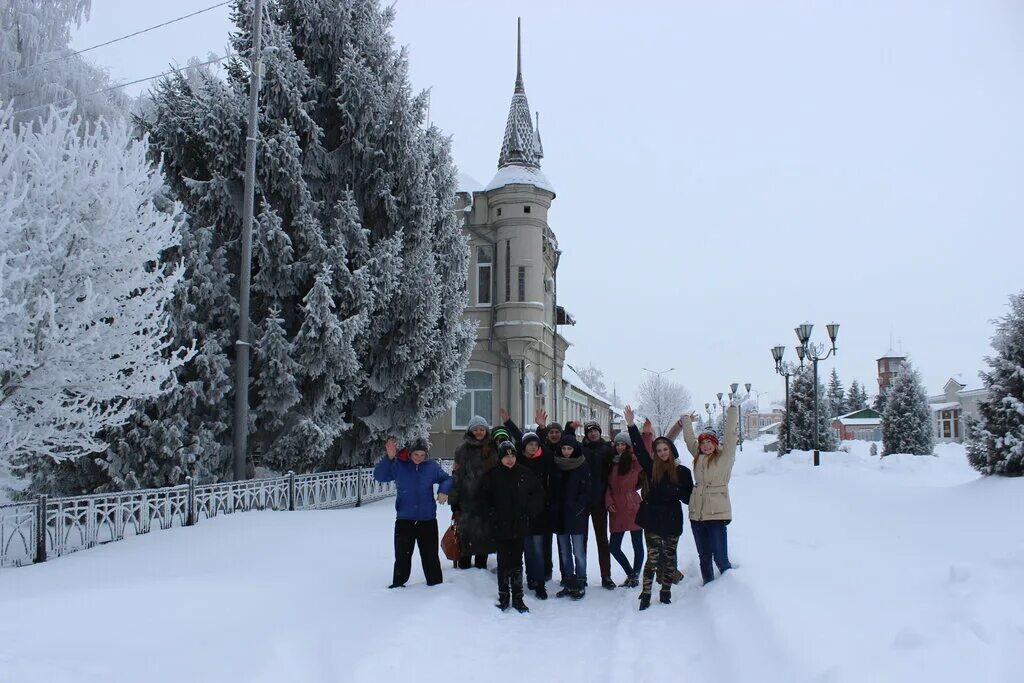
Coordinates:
(415, 484)
(472, 460)
(710, 501)
(661, 511)
(598, 454)
(540, 464)
(513, 496)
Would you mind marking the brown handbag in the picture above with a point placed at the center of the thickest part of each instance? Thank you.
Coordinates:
(450, 543)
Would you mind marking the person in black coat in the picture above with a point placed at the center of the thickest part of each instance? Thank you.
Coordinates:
(661, 512)
(599, 453)
(537, 544)
(512, 496)
(473, 458)
(570, 493)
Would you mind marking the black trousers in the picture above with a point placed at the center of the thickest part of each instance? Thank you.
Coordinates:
(510, 566)
(408, 534)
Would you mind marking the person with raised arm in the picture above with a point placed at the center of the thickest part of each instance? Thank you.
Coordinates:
(475, 455)
(415, 476)
(623, 502)
(710, 506)
(540, 463)
(661, 512)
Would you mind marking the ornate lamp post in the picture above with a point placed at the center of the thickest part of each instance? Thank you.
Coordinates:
(787, 370)
(739, 409)
(815, 353)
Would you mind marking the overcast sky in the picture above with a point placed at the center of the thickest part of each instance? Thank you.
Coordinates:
(727, 170)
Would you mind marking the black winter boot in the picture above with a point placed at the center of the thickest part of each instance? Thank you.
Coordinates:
(666, 595)
(579, 590)
(607, 582)
(568, 585)
(519, 605)
(541, 592)
(645, 601)
(503, 601)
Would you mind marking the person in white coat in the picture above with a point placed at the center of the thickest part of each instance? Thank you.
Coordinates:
(710, 506)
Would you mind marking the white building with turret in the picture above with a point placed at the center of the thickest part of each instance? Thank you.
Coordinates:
(513, 285)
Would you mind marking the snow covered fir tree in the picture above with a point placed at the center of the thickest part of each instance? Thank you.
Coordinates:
(996, 439)
(856, 397)
(359, 272)
(836, 395)
(87, 272)
(801, 425)
(907, 419)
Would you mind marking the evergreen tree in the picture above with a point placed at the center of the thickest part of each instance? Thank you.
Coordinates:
(801, 419)
(856, 397)
(996, 443)
(37, 68)
(359, 271)
(880, 400)
(836, 396)
(907, 420)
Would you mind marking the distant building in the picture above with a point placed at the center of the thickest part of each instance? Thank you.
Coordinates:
(582, 403)
(860, 425)
(889, 366)
(754, 422)
(950, 409)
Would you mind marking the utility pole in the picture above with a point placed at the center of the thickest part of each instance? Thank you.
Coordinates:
(241, 427)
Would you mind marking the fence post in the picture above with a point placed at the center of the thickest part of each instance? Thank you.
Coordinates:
(358, 486)
(190, 503)
(40, 529)
(291, 490)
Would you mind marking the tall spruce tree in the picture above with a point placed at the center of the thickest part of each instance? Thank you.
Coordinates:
(801, 418)
(907, 420)
(360, 265)
(836, 395)
(996, 439)
(856, 397)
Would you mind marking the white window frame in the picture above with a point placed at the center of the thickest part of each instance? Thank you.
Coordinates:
(473, 399)
(487, 266)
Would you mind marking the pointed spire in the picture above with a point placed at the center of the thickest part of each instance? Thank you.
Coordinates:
(538, 147)
(521, 144)
(520, 88)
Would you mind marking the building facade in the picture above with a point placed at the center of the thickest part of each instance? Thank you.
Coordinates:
(958, 401)
(518, 354)
(860, 425)
(889, 366)
(583, 404)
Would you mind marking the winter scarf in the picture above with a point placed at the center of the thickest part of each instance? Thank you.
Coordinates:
(568, 464)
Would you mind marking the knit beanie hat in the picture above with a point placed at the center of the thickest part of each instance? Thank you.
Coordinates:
(477, 421)
(500, 434)
(419, 445)
(554, 427)
(506, 447)
(529, 437)
(623, 437)
(708, 434)
(591, 425)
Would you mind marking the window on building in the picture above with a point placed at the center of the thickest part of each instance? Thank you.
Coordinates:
(483, 275)
(526, 209)
(528, 398)
(522, 283)
(508, 270)
(499, 212)
(949, 424)
(476, 400)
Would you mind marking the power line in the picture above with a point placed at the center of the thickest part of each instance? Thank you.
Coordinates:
(122, 85)
(115, 40)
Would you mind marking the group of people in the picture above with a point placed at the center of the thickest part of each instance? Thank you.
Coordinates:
(512, 493)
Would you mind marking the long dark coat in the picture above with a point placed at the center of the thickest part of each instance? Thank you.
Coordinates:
(513, 497)
(472, 460)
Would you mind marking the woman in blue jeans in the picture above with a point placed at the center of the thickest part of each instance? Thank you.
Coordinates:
(570, 493)
(710, 505)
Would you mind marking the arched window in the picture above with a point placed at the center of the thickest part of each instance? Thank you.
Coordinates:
(476, 400)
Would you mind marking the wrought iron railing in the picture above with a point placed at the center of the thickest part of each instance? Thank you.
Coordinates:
(37, 530)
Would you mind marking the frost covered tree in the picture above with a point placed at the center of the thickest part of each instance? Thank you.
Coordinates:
(996, 440)
(907, 420)
(662, 401)
(84, 285)
(856, 397)
(359, 264)
(37, 67)
(801, 418)
(594, 378)
(835, 396)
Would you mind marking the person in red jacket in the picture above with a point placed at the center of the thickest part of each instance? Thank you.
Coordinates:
(623, 502)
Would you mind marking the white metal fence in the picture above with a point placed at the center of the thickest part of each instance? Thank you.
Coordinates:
(50, 527)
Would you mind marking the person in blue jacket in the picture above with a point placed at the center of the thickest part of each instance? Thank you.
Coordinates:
(570, 493)
(415, 475)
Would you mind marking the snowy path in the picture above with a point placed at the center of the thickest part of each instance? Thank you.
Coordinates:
(904, 570)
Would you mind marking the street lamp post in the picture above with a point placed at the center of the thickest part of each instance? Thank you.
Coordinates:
(707, 409)
(815, 353)
(786, 370)
(739, 409)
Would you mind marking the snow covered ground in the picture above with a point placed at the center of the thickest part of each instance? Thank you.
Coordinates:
(864, 569)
